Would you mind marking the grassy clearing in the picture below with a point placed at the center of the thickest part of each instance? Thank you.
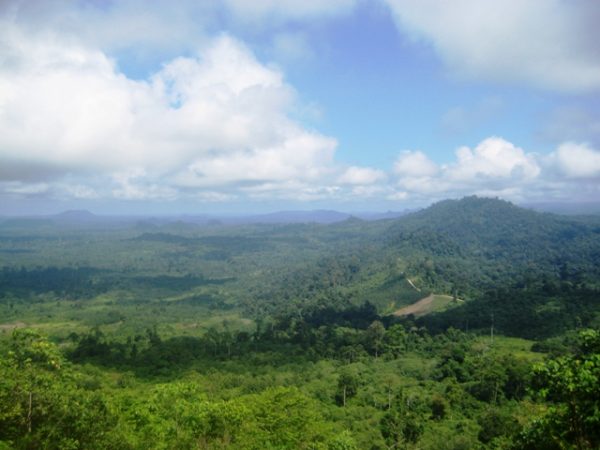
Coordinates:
(518, 347)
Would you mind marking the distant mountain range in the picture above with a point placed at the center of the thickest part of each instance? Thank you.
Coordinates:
(321, 216)
(87, 218)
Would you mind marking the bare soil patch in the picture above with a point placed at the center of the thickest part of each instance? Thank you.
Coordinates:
(420, 307)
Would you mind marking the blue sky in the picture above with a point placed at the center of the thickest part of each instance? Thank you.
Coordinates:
(205, 106)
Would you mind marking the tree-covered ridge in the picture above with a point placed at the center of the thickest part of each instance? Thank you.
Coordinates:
(482, 241)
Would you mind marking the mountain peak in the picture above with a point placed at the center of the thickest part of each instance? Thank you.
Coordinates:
(477, 221)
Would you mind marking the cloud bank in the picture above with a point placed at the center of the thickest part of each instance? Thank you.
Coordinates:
(216, 119)
(496, 167)
(551, 44)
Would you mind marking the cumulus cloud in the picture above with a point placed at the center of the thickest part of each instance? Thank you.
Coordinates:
(398, 196)
(576, 161)
(361, 176)
(218, 118)
(414, 164)
(497, 167)
(546, 43)
(493, 158)
(493, 166)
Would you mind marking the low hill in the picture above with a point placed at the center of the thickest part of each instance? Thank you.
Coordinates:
(460, 248)
(527, 273)
(476, 242)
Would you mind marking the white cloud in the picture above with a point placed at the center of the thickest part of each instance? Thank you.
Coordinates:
(219, 118)
(152, 31)
(414, 164)
(361, 176)
(367, 191)
(493, 166)
(576, 161)
(16, 187)
(159, 27)
(143, 30)
(79, 191)
(295, 190)
(547, 43)
(493, 158)
(133, 185)
(215, 197)
(398, 196)
(304, 156)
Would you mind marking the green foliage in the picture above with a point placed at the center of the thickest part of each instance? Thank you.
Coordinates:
(472, 244)
(375, 335)
(572, 386)
(533, 310)
(403, 423)
(495, 424)
(42, 407)
(347, 387)
(438, 407)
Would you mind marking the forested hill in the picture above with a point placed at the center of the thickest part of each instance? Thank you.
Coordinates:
(478, 241)
(458, 247)
(480, 225)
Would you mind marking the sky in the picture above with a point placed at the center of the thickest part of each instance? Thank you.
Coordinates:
(162, 107)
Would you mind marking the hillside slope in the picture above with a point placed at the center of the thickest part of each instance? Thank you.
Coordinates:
(475, 243)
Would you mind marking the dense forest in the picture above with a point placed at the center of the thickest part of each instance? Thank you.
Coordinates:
(470, 324)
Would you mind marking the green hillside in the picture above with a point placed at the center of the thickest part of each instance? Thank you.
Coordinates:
(480, 242)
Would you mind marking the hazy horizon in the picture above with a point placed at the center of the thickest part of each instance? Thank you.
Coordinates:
(568, 208)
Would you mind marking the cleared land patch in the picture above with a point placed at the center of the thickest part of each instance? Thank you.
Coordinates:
(427, 305)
